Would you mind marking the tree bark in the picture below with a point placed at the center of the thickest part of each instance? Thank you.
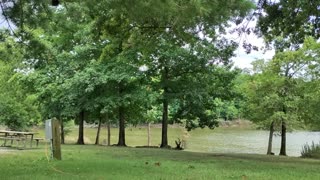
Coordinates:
(109, 132)
(81, 123)
(283, 138)
(284, 110)
(121, 111)
(98, 131)
(62, 130)
(164, 135)
(269, 152)
(149, 134)
(122, 140)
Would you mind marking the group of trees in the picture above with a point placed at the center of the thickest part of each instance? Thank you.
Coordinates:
(16, 107)
(133, 61)
(119, 60)
(283, 90)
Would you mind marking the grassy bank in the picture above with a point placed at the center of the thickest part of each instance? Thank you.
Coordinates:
(101, 162)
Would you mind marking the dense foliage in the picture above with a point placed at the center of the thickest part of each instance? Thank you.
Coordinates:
(290, 20)
(128, 62)
(85, 59)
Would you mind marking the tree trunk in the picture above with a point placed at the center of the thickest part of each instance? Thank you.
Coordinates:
(62, 130)
(283, 138)
(122, 136)
(269, 152)
(284, 110)
(109, 132)
(122, 140)
(149, 134)
(98, 131)
(81, 122)
(164, 135)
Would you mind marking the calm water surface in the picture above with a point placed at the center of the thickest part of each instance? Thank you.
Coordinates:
(247, 141)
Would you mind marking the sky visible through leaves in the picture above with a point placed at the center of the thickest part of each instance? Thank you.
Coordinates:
(241, 59)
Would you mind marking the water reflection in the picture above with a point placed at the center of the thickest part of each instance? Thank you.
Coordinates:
(247, 141)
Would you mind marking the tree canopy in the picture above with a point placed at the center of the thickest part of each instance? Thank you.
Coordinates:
(163, 60)
(289, 19)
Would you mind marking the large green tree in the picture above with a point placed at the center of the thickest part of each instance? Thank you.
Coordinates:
(17, 107)
(277, 91)
(184, 76)
(272, 98)
(286, 23)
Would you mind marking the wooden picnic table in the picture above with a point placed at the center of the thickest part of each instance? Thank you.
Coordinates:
(16, 135)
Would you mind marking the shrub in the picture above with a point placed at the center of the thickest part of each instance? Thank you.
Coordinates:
(311, 151)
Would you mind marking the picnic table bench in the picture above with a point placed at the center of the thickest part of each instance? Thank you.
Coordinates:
(16, 136)
(37, 140)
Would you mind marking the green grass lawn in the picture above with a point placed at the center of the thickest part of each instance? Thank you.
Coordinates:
(102, 162)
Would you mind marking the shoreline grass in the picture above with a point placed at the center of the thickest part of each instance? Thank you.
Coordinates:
(105, 162)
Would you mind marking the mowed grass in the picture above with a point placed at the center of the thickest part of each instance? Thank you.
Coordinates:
(102, 162)
(110, 162)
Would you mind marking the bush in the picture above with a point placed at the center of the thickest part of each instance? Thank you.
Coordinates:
(311, 151)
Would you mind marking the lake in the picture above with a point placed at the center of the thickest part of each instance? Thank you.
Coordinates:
(246, 141)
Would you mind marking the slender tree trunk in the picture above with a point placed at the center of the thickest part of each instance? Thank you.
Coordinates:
(81, 122)
(121, 111)
(269, 152)
(164, 134)
(62, 130)
(109, 132)
(283, 138)
(283, 151)
(149, 134)
(122, 140)
(98, 131)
